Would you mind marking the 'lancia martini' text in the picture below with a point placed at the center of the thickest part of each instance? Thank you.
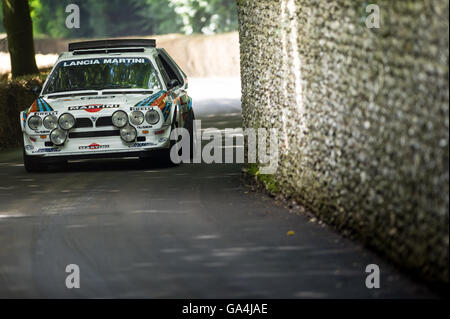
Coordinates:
(104, 61)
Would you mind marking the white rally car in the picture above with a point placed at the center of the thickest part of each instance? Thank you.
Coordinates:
(109, 98)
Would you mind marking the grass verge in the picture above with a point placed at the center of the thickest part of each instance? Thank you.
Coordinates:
(268, 182)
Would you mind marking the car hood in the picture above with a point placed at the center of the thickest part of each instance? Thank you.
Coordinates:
(92, 103)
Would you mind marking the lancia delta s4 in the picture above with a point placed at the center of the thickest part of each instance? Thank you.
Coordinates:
(110, 98)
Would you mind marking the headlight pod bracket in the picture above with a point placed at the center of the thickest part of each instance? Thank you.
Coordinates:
(51, 122)
(36, 126)
(137, 118)
(53, 138)
(152, 117)
(63, 125)
(119, 122)
(128, 134)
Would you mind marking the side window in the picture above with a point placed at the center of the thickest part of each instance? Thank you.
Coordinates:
(171, 72)
(162, 70)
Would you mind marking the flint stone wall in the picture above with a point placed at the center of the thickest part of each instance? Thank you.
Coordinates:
(363, 116)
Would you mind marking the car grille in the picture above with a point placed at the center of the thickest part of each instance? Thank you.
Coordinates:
(104, 121)
(94, 134)
(83, 122)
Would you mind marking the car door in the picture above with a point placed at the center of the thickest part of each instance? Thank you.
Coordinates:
(180, 96)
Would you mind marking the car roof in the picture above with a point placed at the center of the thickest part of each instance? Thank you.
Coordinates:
(109, 48)
(120, 52)
(112, 44)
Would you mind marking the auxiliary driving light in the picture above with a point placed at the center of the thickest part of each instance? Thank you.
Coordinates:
(128, 133)
(120, 119)
(152, 117)
(35, 122)
(58, 137)
(50, 122)
(66, 121)
(136, 118)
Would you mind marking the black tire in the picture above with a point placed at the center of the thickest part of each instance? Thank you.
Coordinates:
(33, 164)
(158, 158)
(190, 128)
(164, 155)
(161, 157)
(191, 134)
(62, 166)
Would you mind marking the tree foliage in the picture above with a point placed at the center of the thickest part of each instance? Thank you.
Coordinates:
(18, 26)
(2, 29)
(207, 16)
(112, 18)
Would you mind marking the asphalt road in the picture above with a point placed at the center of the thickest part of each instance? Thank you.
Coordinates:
(193, 231)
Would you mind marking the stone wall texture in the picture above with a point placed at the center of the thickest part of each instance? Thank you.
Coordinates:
(363, 116)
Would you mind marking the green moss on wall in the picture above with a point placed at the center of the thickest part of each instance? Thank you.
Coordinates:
(268, 181)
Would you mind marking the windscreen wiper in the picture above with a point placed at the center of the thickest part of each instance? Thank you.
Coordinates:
(112, 87)
(68, 90)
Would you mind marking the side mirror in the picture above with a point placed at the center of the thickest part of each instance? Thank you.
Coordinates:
(36, 89)
(172, 84)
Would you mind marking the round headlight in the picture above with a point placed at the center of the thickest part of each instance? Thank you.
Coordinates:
(136, 118)
(120, 119)
(128, 134)
(58, 137)
(50, 122)
(152, 117)
(35, 122)
(66, 121)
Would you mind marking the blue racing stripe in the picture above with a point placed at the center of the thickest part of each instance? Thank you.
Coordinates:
(41, 109)
(166, 109)
(148, 101)
(142, 102)
(47, 107)
(154, 98)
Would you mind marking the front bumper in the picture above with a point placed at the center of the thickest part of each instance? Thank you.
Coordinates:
(96, 147)
(135, 154)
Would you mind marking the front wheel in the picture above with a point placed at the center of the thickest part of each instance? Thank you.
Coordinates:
(192, 139)
(33, 164)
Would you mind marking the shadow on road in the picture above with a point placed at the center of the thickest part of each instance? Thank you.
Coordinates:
(129, 164)
(144, 229)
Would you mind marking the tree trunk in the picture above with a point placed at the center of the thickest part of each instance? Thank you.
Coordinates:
(19, 28)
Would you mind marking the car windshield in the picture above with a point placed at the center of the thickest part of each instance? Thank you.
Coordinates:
(103, 73)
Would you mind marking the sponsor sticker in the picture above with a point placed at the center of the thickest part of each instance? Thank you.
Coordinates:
(94, 146)
(142, 108)
(138, 145)
(92, 108)
(95, 97)
(47, 150)
(45, 113)
(104, 61)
